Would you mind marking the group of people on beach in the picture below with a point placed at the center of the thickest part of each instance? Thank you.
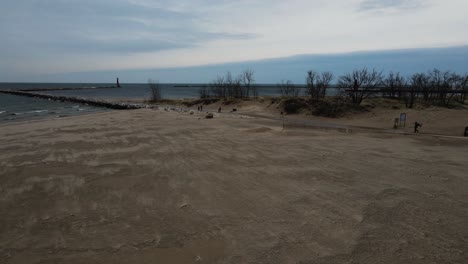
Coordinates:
(200, 108)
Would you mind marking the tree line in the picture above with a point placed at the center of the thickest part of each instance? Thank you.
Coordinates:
(228, 86)
(432, 87)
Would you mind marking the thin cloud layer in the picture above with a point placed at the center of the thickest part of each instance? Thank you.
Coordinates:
(101, 26)
(53, 36)
(379, 5)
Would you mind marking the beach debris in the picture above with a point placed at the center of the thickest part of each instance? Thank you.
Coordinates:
(192, 112)
(209, 116)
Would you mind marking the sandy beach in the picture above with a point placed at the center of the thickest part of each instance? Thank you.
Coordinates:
(151, 186)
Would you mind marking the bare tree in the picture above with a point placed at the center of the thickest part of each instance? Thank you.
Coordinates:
(312, 89)
(421, 83)
(318, 83)
(394, 85)
(438, 82)
(218, 87)
(204, 92)
(436, 87)
(360, 84)
(287, 89)
(454, 86)
(234, 87)
(237, 88)
(463, 84)
(410, 93)
(445, 85)
(323, 83)
(229, 84)
(155, 90)
(247, 78)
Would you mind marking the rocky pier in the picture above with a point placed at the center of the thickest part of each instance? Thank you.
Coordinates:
(88, 101)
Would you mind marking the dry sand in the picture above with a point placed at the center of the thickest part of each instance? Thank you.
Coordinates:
(149, 186)
(435, 120)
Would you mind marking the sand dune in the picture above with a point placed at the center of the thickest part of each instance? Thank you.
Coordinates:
(149, 186)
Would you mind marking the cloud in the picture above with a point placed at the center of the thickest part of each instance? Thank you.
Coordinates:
(52, 36)
(294, 68)
(118, 26)
(382, 5)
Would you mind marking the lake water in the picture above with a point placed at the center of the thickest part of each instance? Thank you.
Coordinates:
(21, 108)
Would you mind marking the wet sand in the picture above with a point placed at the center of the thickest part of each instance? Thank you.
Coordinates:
(149, 186)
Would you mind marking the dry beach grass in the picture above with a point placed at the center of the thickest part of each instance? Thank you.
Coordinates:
(149, 186)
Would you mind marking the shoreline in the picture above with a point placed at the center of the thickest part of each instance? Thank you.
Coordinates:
(54, 118)
(375, 114)
(314, 126)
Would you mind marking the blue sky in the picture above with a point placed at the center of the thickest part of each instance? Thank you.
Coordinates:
(58, 40)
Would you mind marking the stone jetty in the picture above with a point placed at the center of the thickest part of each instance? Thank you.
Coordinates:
(88, 101)
(65, 89)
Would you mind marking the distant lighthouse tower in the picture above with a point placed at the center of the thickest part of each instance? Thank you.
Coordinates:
(118, 84)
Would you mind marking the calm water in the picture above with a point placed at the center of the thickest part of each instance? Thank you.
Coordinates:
(127, 91)
(21, 108)
(16, 108)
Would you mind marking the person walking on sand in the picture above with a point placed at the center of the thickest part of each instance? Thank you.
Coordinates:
(416, 126)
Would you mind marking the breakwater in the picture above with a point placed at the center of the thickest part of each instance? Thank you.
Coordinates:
(65, 89)
(86, 101)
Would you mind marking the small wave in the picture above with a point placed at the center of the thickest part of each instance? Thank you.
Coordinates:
(29, 112)
(2, 112)
(39, 111)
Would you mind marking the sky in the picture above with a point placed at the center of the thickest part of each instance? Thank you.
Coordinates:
(72, 40)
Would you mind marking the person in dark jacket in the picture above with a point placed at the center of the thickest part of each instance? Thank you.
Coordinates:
(416, 126)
